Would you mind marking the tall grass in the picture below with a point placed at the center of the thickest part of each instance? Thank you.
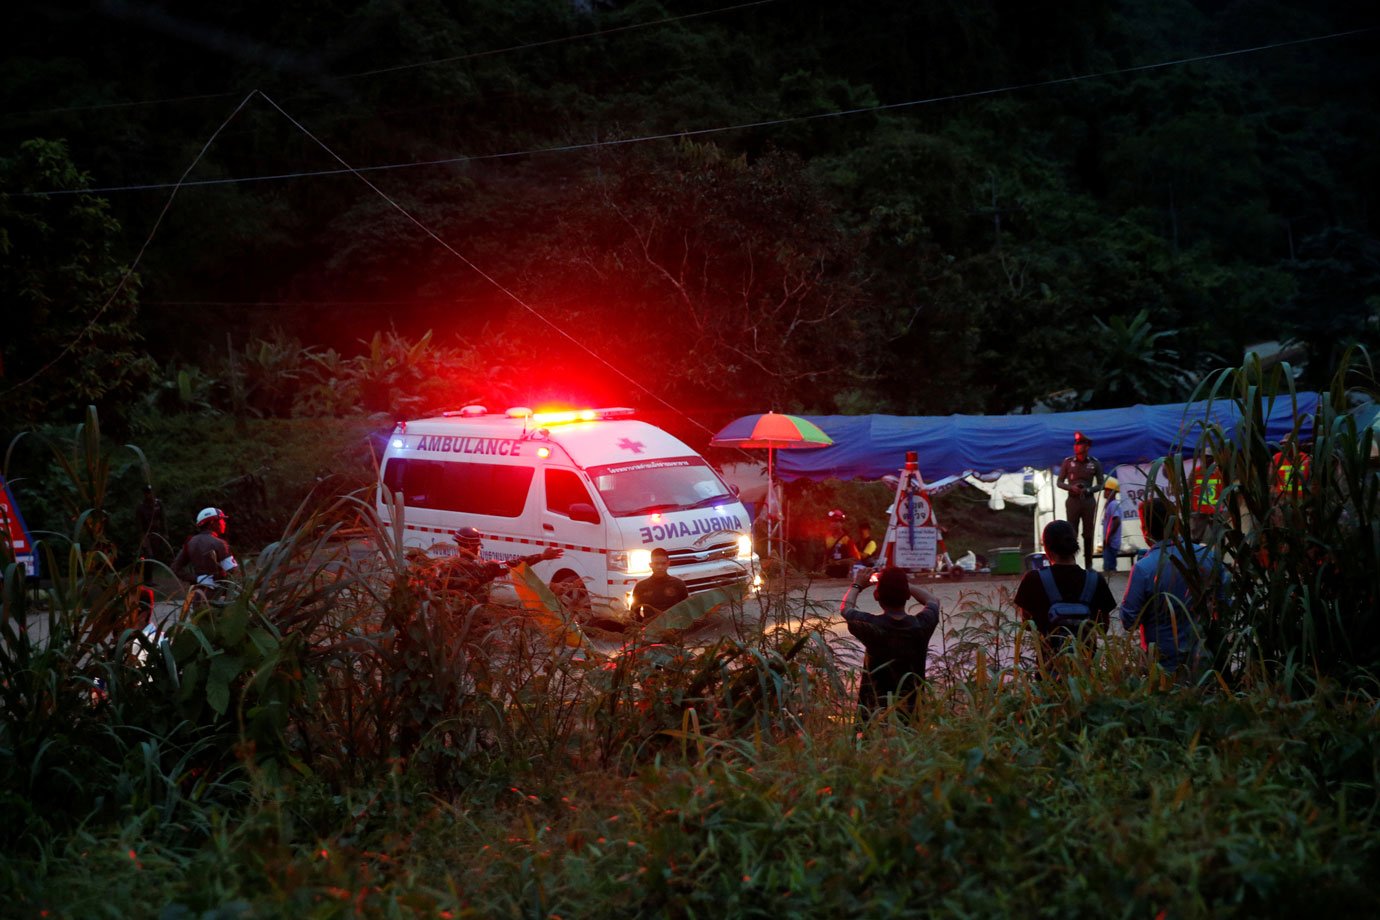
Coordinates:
(349, 736)
(1304, 564)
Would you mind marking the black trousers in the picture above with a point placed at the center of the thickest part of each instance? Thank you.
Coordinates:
(1083, 510)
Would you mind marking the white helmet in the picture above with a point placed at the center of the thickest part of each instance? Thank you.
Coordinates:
(207, 514)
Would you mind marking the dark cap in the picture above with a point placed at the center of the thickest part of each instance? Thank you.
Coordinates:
(1080, 438)
(467, 535)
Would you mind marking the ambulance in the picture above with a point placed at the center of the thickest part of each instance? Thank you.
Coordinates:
(601, 485)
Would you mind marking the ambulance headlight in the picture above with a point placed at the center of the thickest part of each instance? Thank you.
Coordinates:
(634, 561)
(744, 547)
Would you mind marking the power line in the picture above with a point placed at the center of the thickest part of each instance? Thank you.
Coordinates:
(703, 132)
(475, 268)
(134, 265)
(400, 67)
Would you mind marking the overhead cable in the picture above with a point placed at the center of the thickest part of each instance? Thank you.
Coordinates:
(702, 132)
(475, 268)
(133, 265)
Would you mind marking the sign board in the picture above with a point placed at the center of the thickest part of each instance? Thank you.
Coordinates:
(916, 547)
(13, 532)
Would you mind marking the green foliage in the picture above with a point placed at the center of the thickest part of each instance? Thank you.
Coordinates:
(1137, 367)
(732, 281)
(330, 737)
(1302, 560)
(969, 244)
(71, 337)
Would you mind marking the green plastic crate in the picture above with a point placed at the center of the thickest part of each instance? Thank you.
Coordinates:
(1006, 560)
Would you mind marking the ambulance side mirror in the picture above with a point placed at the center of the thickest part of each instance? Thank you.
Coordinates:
(737, 492)
(581, 511)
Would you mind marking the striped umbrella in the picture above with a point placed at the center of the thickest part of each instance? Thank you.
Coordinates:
(774, 431)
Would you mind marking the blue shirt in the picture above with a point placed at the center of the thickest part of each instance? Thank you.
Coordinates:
(1161, 601)
(1111, 525)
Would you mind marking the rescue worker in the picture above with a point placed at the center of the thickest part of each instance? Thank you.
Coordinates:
(662, 591)
(1205, 495)
(1081, 476)
(1111, 523)
(469, 572)
(839, 550)
(206, 553)
(1289, 469)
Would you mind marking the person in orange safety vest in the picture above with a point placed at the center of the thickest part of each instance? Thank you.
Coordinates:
(1205, 494)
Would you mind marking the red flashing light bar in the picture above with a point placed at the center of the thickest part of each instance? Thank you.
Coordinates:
(579, 415)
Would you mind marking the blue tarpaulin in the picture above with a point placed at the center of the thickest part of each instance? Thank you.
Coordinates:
(873, 446)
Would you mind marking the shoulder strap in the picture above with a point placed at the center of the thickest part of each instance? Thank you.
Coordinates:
(1051, 589)
(1089, 588)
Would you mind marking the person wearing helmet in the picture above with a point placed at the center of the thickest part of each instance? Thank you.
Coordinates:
(1111, 523)
(840, 552)
(1081, 476)
(470, 572)
(206, 553)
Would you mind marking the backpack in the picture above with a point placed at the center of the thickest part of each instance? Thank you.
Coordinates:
(1068, 614)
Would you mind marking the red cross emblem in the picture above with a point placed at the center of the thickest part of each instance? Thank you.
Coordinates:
(634, 446)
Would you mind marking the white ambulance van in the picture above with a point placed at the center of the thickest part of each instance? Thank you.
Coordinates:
(597, 483)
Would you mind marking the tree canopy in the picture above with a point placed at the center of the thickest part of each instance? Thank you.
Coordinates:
(917, 207)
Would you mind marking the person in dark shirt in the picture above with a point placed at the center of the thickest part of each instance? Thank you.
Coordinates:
(1033, 600)
(896, 643)
(206, 553)
(659, 593)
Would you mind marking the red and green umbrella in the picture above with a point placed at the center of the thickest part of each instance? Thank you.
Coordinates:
(774, 431)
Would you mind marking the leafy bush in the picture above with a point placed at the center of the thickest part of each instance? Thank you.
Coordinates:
(1305, 582)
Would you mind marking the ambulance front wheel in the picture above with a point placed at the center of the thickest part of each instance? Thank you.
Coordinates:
(570, 589)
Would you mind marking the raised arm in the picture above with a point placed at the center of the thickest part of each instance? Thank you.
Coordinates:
(850, 597)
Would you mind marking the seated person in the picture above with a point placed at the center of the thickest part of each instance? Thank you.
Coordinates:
(839, 551)
(867, 545)
(652, 596)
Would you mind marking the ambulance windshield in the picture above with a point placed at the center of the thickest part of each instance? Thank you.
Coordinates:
(650, 486)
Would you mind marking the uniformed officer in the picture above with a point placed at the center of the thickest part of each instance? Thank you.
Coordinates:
(1081, 476)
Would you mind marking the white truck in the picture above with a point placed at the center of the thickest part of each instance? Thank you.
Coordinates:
(602, 486)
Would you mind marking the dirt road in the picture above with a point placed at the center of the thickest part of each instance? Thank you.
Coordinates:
(818, 603)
